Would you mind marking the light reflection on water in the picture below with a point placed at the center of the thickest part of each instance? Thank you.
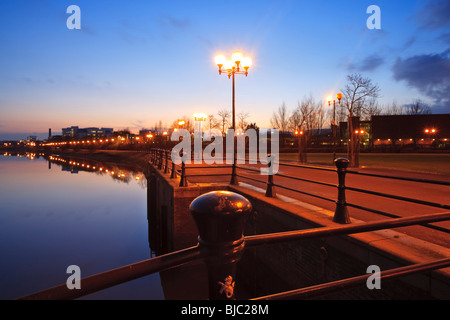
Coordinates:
(53, 216)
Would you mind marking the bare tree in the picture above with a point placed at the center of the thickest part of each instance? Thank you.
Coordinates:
(303, 119)
(213, 123)
(371, 109)
(242, 120)
(280, 118)
(393, 109)
(158, 127)
(224, 120)
(295, 120)
(356, 92)
(418, 107)
(320, 118)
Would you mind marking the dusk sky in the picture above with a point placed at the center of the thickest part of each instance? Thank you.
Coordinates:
(136, 62)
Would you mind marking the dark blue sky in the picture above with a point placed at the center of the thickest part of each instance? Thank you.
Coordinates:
(134, 63)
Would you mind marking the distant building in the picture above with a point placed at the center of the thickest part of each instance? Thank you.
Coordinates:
(32, 138)
(75, 132)
(70, 132)
(402, 132)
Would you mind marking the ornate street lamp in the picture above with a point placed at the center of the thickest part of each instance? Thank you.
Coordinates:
(333, 123)
(231, 68)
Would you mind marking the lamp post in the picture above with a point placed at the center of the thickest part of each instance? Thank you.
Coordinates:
(301, 146)
(333, 123)
(432, 132)
(231, 68)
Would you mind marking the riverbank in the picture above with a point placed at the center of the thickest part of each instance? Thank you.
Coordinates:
(435, 165)
(126, 157)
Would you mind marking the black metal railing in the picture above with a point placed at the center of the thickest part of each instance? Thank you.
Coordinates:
(341, 214)
(221, 244)
(161, 158)
(220, 218)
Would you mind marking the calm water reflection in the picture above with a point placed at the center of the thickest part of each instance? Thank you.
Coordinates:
(68, 212)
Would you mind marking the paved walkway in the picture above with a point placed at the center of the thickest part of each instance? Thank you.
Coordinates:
(439, 194)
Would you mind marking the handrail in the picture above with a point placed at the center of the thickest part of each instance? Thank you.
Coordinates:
(120, 275)
(279, 237)
(445, 183)
(339, 285)
(386, 195)
(107, 279)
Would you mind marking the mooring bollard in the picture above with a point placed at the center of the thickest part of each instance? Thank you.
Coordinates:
(183, 180)
(341, 214)
(270, 189)
(270, 192)
(220, 217)
(166, 164)
(152, 156)
(172, 174)
(160, 158)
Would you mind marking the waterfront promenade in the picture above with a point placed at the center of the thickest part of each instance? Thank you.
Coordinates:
(203, 174)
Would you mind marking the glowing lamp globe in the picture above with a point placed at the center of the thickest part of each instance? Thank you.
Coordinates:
(247, 62)
(220, 59)
(237, 57)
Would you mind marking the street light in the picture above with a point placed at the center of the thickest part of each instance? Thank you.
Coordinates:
(301, 146)
(333, 123)
(231, 68)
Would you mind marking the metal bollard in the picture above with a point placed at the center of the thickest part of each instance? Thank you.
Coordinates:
(166, 164)
(183, 180)
(220, 217)
(160, 158)
(341, 214)
(270, 189)
(172, 174)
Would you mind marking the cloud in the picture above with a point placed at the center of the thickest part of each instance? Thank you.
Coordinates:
(434, 15)
(370, 63)
(445, 38)
(428, 73)
(409, 43)
(178, 23)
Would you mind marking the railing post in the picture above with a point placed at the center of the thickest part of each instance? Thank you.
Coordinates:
(166, 164)
(172, 174)
(270, 190)
(160, 159)
(341, 214)
(220, 217)
(183, 180)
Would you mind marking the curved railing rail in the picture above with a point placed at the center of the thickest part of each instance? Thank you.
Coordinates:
(222, 251)
(161, 156)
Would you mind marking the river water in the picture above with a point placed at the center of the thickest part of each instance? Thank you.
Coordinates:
(57, 212)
